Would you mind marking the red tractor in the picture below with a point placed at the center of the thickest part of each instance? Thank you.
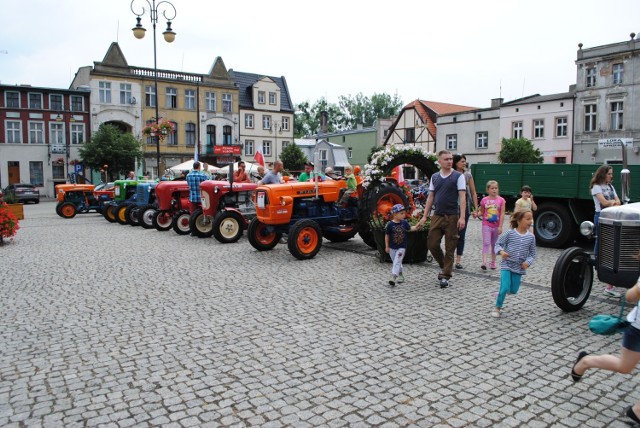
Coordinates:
(173, 200)
(227, 208)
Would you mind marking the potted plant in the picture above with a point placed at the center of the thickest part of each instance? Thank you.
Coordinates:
(9, 224)
(11, 204)
(161, 129)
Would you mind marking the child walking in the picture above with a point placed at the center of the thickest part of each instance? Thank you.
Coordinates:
(517, 247)
(492, 215)
(395, 241)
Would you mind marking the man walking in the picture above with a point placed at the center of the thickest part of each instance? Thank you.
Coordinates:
(447, 190)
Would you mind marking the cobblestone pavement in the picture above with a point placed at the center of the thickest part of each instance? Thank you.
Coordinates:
(110, 325)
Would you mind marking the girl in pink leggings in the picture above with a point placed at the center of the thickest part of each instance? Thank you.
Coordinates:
(492, 215)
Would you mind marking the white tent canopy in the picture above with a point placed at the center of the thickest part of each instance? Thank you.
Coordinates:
(249, 168)
(188, 165)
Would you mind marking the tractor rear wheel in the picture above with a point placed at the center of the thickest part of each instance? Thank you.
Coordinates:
(305, 239)
(120, 213)
(162, 220)
(110, 213)
(131, 214)
(180, 222)
(67, 210)
(145, 216)
(200, 224)
(261, 236)
(228, 226)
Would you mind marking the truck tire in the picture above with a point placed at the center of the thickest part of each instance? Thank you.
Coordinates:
(228, 226)
(110, 213)
(120, 213)
(162, 220)
(572, 279)
(180, 222)
(200, 224)
(379, 199)
(553, 226)
(262, 237)
(145, 216)
(67, 210)
(305, 239)
(131, 214)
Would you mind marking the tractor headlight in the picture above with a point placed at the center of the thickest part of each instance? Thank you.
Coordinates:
(587, 228)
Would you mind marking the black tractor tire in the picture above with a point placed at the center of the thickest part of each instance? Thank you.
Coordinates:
(228, 226)
(180, 222)
(162, 220)
(68, 210)
(58, 205)
(365, 232)
(339, 237)
(572, 279)
(121, 216)
(260, 237)
(305, 239)
(145, 216)
(201, 225)
(378, 199)
(110, 213)
(131, 214)
(553, 225)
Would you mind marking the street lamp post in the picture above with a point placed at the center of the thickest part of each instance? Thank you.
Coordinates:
(169, 36)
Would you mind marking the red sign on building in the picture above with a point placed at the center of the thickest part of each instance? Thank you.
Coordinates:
(226, 150)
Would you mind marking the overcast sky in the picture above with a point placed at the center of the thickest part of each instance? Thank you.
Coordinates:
(461, 52)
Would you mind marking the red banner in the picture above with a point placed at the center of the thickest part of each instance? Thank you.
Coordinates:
(226, 150)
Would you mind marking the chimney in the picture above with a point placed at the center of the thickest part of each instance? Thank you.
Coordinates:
(496, 102)
(324, 122)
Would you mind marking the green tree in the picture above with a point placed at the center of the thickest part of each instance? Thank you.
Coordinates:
(519, 150)
(293, 158)
(110, 146)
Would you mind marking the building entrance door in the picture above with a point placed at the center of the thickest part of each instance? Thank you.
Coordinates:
(14, 172)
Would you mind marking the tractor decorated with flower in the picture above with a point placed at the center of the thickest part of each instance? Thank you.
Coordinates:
(307, 212)
(227, 208)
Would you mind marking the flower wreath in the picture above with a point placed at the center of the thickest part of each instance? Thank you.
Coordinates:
(377, 170)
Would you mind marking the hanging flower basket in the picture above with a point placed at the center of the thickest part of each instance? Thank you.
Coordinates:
(161, 130)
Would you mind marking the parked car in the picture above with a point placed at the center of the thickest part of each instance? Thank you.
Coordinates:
(23, 192)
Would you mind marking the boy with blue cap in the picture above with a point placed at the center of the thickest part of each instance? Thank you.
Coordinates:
(395, 241)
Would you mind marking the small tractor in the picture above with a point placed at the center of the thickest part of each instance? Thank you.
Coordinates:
(80, 196)
(172, 198)
(145, 198)
(227, 208)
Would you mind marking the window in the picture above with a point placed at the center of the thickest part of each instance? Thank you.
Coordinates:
(12, 99)
(36, 176)
(590, 117)
(35, 101)
(618, 72)
(210, 101)
(56, 102)
(266, 148)
(350, 152)
(591, 77)
(560, 160)
(616, 115)
(190, 99)
(452, 142)
(482, 140)
(77, 133)
(171, 98)
(409, 135)
(57, 171)
(125, 93)
(285, 123)
(248, 121)
(248, 147)
(226, 103)
(272, 98)
(36, 132)
(322, 157)
(104, 91)
(151, 139)
(285, 144)
(56, 133)
(172, 139)
(261, 99)
(190, 134)
(226, 135)
(561, 126)
(77, 103)
(211, 135)
(517, 129)
(266, 122)
(150, 96)
(13, 131)
(538, 128)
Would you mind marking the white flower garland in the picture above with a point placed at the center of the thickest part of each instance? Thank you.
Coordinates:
(374, 172)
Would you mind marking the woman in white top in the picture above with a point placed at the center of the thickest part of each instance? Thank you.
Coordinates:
(604, 195)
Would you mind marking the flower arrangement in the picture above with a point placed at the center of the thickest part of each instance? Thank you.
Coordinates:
(161, 130)
(8, 223)
(379, 221)
(382, 159)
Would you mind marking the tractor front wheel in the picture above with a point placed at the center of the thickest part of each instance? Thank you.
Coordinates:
(305, 239)
(200, 224)
(572, 279)
(131, 214)
(180, 222)
(67, 210)
(110, 213)
(228, 226)
(162, 220)
(145, 216)
(121, 214)
(58, 205)
(261, 236)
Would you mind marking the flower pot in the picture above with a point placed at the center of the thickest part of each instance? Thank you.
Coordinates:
(416, 246)
(17, 210)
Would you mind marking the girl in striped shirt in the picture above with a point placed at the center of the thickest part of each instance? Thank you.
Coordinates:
(517, 247)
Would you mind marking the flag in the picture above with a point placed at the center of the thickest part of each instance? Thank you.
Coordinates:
(258, 156)
(398, 174)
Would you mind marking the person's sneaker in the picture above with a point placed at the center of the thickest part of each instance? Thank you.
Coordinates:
(483, 267)
(493, 265)
(392, 281)
(459, 266)
(444, 283)
(611, 292)
(400, 279)
(495, 313)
